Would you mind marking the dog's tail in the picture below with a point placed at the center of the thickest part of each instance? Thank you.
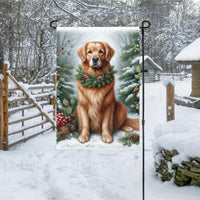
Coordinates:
(131, 124)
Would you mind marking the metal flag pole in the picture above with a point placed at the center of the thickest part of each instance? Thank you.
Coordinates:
(145, 24)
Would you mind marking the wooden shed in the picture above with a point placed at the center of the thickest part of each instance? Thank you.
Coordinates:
(190, 55)
(152, 68)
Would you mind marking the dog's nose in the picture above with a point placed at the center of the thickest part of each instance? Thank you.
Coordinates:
(95, 59)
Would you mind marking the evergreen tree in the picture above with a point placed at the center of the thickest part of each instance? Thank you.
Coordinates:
(130, 75)
(66, 103)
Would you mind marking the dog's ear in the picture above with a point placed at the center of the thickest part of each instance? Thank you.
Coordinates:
(109, 51)
(82, 52)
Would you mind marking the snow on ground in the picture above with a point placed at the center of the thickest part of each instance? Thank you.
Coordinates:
(96, 142)
(36, 170)
(156, 114)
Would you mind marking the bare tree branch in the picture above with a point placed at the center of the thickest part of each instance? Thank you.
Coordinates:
(43, 6)
(72, 15)
(91, 6)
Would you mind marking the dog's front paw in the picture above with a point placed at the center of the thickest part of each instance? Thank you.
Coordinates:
(127, 128)
(107, 138)
(83, 138)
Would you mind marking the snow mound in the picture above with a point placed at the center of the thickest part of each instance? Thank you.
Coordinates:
(7, 63)
(183, 137)
(190, 53)
(167, 81)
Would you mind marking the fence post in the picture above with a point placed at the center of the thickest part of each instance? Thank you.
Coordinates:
(1, 117)
(5, 107)
(170, 101)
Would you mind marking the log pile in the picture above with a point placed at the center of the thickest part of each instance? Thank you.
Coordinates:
(185, 174)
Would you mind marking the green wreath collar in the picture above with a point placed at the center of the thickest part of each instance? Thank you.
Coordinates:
(92, 81)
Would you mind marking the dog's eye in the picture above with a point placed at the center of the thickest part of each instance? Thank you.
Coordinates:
(100, 51)
(89, 52)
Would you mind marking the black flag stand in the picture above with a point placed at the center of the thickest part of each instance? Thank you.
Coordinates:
(145, 24)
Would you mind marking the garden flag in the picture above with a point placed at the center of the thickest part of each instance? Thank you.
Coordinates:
(98, 82)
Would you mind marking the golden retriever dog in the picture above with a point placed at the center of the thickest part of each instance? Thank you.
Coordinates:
(97, 108)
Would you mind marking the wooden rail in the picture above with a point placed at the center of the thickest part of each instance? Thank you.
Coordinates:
(31, 136)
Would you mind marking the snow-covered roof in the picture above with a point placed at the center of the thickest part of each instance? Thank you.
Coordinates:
(190, 53)
(151, 60)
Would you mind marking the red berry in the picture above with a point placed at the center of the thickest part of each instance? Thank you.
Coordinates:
(69, 119)
(110, 73)
(62, 48)
(68, 40)
(61, 73)
(57, 72)
(106, 78)
(62, 53)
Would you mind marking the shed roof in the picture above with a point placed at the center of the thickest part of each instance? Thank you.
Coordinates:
(147, 58)
(190, 54)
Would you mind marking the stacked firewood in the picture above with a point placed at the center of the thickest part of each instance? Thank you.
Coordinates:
(184, 174)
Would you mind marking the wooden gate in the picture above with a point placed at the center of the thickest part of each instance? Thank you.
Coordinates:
(25, 110)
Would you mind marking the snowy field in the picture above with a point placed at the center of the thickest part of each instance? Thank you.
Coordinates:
(36, 170)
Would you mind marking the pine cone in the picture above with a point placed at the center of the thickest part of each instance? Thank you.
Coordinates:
(65, 129)
(62, 135)
(133, 137)
(99, 79)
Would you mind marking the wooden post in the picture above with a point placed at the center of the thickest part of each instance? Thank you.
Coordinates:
(1, 116)
(170, 102)
(5, 107)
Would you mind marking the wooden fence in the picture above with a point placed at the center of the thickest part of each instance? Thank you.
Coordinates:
(24, 107)
(174, 76)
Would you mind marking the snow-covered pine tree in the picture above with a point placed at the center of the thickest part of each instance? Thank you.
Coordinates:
(130, 75)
